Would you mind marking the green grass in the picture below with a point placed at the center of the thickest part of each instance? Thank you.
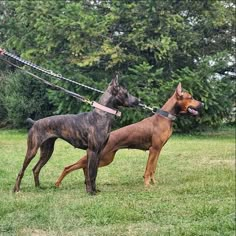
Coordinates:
(194, 194)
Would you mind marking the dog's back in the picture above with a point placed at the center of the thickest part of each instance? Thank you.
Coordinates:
(71, 128)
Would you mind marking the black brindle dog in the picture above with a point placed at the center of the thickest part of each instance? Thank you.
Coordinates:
(88, 131)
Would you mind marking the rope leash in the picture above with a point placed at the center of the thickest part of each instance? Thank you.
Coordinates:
(56, 87)
(75, 95)
(59, 77)
(48, 72)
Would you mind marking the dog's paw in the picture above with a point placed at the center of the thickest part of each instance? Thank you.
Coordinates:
(153, 181)
(147, 181)
(15, 190)
(92, 193)
(57, 185)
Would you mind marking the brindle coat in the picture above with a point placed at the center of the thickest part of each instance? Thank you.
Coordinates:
(89, 131)
(149, 134)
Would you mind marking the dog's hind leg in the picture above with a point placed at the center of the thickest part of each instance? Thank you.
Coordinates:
(82, 163)
(30, 154)
(46, 150)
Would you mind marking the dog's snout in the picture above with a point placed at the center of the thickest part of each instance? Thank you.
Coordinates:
(136, 102)
(133, 101)
(200, 105)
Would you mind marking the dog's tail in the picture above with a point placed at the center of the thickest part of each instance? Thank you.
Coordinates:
(30, 122)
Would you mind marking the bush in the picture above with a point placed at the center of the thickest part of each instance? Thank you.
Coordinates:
(3, 111)
(23, 97)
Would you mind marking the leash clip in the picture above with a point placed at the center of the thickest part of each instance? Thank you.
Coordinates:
(144, 106)
(88, 101)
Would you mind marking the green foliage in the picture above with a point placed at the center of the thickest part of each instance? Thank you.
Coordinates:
(23, 98)
(3, 111)
(152, 44)
(214, 90)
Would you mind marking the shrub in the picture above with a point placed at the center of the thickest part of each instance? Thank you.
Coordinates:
(23, 97)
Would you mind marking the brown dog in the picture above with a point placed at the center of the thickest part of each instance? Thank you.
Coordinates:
(149, 134)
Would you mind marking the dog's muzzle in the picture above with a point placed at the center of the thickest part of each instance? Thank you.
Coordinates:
(133, 101)
(194, 110)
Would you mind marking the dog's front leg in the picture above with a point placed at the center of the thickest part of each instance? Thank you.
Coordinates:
(92, 169)
(149, 175)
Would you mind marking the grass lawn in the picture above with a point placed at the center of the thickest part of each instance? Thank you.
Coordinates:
(194, 194)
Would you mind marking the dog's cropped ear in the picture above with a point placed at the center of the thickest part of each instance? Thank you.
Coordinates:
(114, 84)
(115, 81)
(179, 90)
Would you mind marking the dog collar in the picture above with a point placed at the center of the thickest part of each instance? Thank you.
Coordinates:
(106, 109)
(165, 114)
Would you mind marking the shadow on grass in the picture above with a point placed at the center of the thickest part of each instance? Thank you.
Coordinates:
(130, 184)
